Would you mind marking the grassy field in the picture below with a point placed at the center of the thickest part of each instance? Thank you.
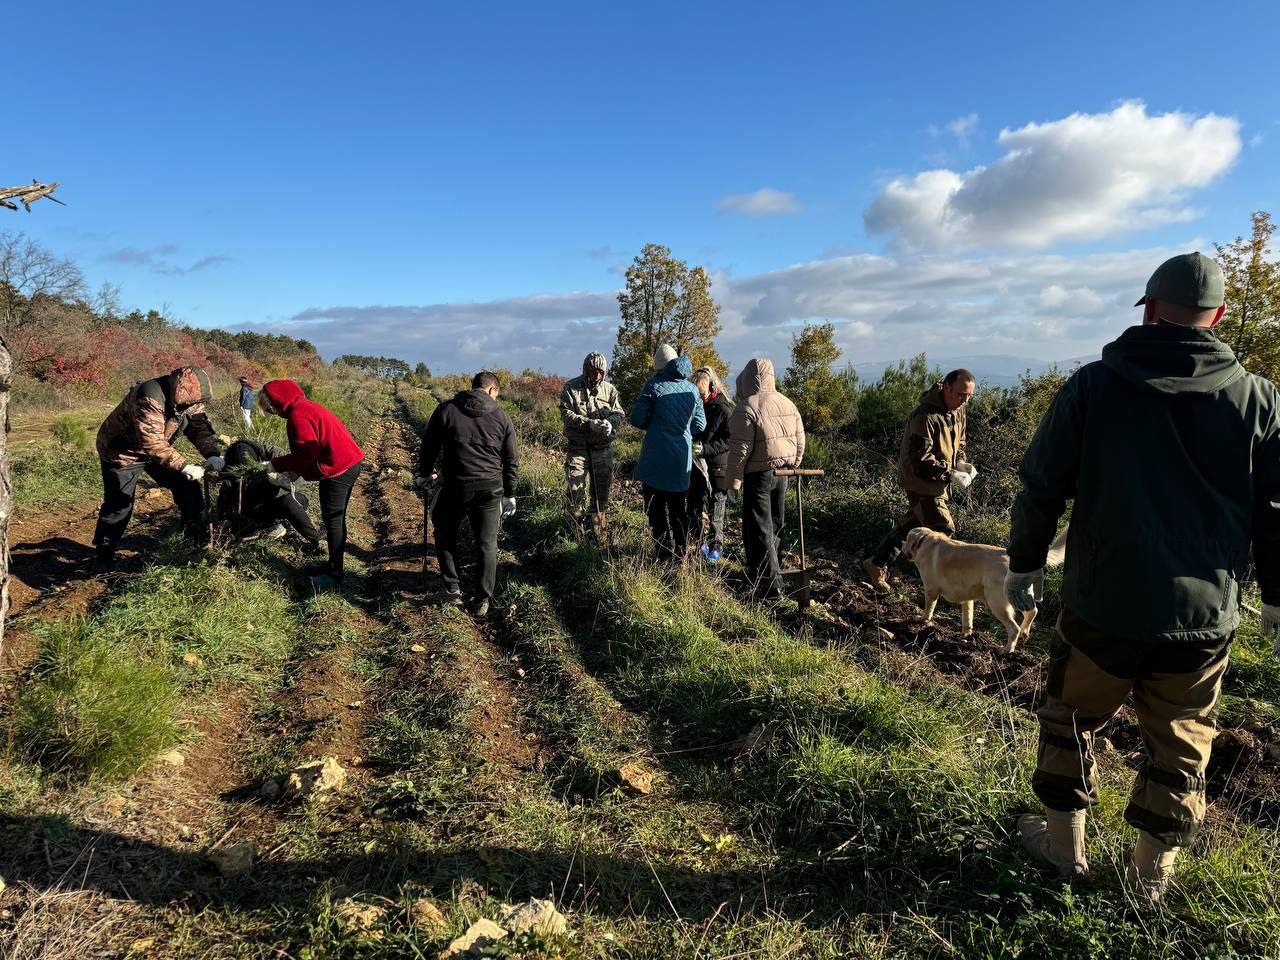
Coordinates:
(683, 774)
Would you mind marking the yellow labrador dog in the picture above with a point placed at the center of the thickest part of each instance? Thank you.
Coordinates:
(963, 573)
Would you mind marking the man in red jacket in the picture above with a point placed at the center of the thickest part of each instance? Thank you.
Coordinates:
(320, 448)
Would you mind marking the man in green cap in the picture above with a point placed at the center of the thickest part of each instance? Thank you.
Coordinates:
(1171, 453)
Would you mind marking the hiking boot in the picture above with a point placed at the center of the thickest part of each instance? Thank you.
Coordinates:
(453, 595)
(876, 574)
(275, 533)
(1056, 838)
(1150, 869)
(104, 561)
(480, 608)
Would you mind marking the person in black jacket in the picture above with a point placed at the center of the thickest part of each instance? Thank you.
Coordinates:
(248, 501)
(708, 483)
(476, 441)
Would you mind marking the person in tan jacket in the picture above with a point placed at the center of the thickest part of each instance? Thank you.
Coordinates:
(139, 435)
(930, 459)
(765, 434)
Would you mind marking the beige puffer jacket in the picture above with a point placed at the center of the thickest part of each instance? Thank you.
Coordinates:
(765, 431)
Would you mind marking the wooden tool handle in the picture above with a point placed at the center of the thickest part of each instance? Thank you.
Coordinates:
(795, 472)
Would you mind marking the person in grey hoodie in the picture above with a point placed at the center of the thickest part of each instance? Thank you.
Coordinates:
(1170, 451)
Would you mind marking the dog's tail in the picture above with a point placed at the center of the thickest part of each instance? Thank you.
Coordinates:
(1058, 551)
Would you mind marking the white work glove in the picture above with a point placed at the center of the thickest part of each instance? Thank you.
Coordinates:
(1271, 627)
(962, 480)
(608, 429)
(697, 449)
(966, 467)
(508, 506)
(193, 471)
(282, 480)
(1024, 590)
(215, 464)
(424, 483)
(601, 427)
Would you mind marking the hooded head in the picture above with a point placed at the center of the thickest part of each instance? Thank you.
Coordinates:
(756, 377)
(1173, 359)
(243, 452)
(595, 367)
(283, 394)
(663, 356)
(190, 386)
(247, 382)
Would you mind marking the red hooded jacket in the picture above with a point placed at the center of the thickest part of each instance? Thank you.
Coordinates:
(320, 446)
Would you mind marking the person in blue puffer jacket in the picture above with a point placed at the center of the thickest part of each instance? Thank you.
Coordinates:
(669, 410)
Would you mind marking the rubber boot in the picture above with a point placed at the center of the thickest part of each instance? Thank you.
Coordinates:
(1151, 868)
(1057, 838)
(875, 573)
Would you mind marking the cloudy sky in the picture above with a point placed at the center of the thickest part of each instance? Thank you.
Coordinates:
(466, 188)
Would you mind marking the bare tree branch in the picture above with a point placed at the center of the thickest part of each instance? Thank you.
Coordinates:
(28, 195)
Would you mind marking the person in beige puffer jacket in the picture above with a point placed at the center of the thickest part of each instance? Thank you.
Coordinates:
(765, 434)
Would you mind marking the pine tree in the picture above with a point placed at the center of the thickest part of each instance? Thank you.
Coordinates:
(826, 399)
(1251, 325)
(664, 302)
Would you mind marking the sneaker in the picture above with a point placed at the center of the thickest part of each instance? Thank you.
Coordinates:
(706, 551)
(480, 608)
(713, 555)
(453, 595)
(275, 533)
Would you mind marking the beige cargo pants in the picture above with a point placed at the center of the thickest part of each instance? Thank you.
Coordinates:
(1175, 688)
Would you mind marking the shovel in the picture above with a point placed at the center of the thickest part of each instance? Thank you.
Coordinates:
(801, 592)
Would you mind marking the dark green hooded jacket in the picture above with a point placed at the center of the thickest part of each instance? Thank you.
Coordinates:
(1171, 452)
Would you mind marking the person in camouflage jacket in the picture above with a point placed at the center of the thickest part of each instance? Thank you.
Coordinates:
(139, 435)
(592, 415)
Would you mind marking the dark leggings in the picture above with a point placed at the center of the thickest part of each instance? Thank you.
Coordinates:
(335, 495)
(669, 520)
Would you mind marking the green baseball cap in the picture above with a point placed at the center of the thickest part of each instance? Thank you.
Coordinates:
(1189, 280)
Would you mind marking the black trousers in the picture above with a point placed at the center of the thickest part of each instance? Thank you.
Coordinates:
(763, 505)
(335, 495)
(669, 520)
(120, 486)
(292, 509)
(483, 510)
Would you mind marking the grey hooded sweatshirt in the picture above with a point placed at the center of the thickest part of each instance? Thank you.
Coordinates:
(1171, 452)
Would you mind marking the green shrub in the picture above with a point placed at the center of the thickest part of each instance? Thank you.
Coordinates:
(88, 709)
(71, 432)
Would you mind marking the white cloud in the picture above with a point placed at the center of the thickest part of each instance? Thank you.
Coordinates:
(765, 202)
(962, 128)
(1081, 177)
(1038, 306)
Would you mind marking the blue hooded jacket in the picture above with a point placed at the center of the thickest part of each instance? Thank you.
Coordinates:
(669, 410)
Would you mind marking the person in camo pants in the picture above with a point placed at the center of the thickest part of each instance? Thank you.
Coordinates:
(592, 415)
(1171, 453)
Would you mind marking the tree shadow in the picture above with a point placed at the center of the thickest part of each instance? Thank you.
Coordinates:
(51, 854)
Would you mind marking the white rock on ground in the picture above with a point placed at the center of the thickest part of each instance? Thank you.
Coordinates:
(235, 860)
(354, 916)
(481, 934)
(425, 915)
(316, 777)
(536, 916)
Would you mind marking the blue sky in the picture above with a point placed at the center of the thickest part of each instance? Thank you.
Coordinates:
(463, 184)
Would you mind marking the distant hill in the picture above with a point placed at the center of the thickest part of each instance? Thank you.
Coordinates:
(999, 370)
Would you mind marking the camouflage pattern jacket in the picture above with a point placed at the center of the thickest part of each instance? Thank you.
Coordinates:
(150, 417)
(580, 404)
